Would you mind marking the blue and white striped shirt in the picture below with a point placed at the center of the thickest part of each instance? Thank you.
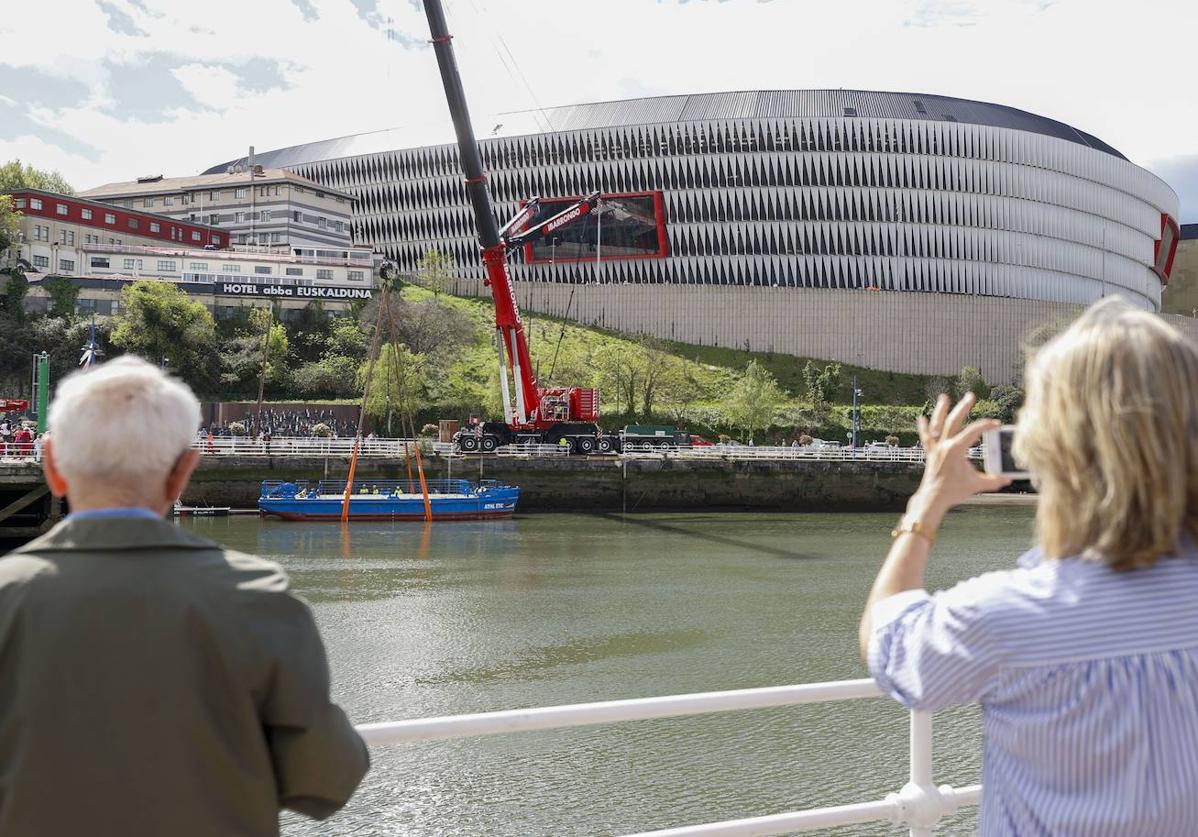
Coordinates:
(1088, 680)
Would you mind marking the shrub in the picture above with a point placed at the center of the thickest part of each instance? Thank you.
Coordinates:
(237, 428)
(805, 440)
(322, 430)
(892, 441)
(430, 429)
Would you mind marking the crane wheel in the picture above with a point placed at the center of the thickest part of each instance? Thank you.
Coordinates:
(585, 445)
(468, 444)
(605, 445)
(490, 443)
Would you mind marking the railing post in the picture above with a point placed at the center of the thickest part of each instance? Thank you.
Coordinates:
(920, 804)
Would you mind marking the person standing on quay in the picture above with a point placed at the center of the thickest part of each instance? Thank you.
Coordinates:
(1085, 657)
(152, 682)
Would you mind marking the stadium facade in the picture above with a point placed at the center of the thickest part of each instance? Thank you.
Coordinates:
(909, 232)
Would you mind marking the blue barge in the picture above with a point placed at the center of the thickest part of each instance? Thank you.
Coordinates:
(387, 500)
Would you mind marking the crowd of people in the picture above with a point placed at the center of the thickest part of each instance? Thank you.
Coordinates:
(287, 423)
(19, 438)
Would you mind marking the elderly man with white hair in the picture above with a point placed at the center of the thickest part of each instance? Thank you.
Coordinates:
(152, 682)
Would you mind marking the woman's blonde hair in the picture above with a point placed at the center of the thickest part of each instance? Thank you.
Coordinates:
(1110, 430)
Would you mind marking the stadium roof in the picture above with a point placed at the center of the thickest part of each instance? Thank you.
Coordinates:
(757, 104)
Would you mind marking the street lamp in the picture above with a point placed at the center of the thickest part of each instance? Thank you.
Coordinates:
(856, 393)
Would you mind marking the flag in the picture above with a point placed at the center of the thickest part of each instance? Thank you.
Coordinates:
(91, 350)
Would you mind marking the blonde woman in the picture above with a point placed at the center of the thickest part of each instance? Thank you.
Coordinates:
(1085, 658)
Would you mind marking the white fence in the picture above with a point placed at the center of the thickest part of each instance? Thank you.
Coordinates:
(394, 448)
(919, 804)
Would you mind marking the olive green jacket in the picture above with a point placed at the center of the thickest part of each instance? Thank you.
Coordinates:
(153, 683)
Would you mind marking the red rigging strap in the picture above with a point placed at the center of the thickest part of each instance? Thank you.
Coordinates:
(443, 39)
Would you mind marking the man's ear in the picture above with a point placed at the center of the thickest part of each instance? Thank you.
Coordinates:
(179, 476)
(54, 477)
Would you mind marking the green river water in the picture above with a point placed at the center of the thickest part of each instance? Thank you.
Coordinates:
(552, 609)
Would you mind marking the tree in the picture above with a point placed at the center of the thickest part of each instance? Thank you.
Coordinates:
(10, 222)
(272, 347)
(820, 384)
(157, 320)
(64, 295)
(14, 296)
(434, 270)
(397, 387)
(1008, 399)
(970, 380)
(937, 386)
(752, 402)
(429, 326)
(15, 176)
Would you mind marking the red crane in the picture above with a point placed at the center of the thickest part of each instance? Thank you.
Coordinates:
(553, 415)
(13, 405)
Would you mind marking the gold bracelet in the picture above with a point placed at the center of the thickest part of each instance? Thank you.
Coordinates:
(914, 527)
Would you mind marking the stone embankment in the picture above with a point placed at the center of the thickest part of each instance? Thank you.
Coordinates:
(601, 484)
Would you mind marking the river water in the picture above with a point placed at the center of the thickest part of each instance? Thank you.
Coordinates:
(551, 609)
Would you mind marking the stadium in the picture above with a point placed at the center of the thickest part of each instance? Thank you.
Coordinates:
(899, 231)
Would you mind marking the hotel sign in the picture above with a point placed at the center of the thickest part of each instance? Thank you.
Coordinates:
(291, 291)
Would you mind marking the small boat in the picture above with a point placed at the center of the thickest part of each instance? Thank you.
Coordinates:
(201, 511)
(387, 500)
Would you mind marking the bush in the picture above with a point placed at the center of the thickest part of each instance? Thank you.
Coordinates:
(892, 441)
(430, 429)
(322, 430)
(237, 428)
(805, 440)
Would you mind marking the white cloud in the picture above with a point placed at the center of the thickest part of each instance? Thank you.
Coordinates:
(1103, 66)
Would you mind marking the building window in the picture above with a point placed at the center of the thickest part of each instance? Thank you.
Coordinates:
(321, 222)
(238, 217)
(357, 276)
(295, 271)
(66, 265)
(41, 233)
(213, 220)
(148, 203)
(230, 268)
(155, 227)
(262, 268)
(134, 223)
(266, 215)
(214, 196)
(195, 236)
(131, 264)
(216, 240)
(41, 261)
(61, 209)
(168, 201)
(318, 194)
(198, 267)
(109, 218)
(166, 265)
(275, 238)
(20, 203)
(100, 261)
(35, 203)
(326, 275)
(66, 237)
(87, 214)
(239, 193)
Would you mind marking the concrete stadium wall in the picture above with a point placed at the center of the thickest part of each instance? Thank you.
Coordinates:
(920, 333)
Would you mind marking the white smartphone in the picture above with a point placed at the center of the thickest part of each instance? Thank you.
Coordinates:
(996, 453)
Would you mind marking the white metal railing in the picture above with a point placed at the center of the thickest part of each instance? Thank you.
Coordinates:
(343, 446)
(919, 804)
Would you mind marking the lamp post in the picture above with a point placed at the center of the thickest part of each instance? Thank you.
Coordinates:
(856, 392)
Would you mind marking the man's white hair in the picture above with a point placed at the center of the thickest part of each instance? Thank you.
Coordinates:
(122, 420)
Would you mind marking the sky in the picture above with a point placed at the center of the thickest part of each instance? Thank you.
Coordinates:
(108, 90)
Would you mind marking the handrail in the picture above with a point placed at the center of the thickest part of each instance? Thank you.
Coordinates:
(343, 446)
(919, 804)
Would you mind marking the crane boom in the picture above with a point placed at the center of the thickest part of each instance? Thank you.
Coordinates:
(494, 253)
(553, 414)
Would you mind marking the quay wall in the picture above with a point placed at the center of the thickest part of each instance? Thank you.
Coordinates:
(600, 484)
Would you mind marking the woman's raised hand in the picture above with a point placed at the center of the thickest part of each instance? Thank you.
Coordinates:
(948, 475)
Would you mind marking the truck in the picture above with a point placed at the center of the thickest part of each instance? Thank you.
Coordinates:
(656, 437)
(566, 416)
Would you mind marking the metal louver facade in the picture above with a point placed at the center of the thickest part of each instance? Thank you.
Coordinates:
(791, 211)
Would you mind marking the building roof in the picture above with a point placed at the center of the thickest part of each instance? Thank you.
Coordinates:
(107, 207)
(753, 104)
(212, 179)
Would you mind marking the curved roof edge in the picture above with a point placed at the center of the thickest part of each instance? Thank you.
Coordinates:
(753, 104)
